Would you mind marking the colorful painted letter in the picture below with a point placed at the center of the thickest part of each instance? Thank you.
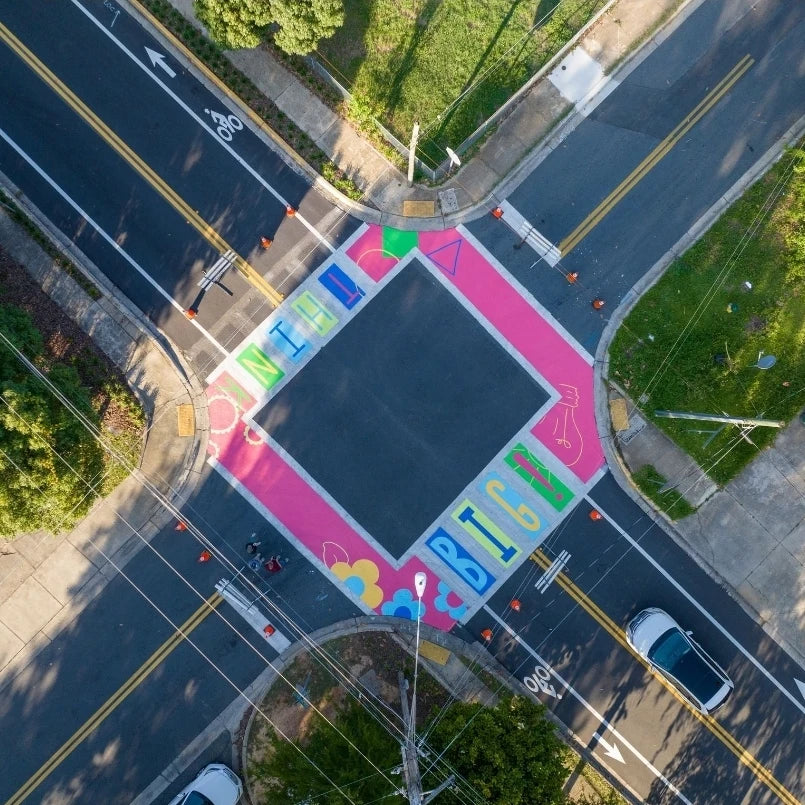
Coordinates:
(486, 533)
(459, 561)
(341, 286)
(539, 477)
(511, 502)
(260, 366)
(314, 313)
(288, 339)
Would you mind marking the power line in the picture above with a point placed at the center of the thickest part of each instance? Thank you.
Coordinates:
(315, 649)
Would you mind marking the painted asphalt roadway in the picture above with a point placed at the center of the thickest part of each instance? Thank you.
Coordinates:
(484, 518)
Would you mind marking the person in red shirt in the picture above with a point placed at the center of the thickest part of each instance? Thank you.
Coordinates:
(273, 565)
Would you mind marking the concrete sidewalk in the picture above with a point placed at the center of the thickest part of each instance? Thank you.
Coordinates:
(750, 535)
(46, 580)
(612, 46)
(465, 669)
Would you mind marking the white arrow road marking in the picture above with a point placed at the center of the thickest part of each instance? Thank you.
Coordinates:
(590, 709)
(158, 60)
(800, 687)
(610, 749)
(203, 123)
(679, 588)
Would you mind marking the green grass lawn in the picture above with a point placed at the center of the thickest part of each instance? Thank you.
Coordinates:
(411, 59)
(711, 368)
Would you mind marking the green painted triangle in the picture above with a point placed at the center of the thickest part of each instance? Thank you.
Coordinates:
(397, 242)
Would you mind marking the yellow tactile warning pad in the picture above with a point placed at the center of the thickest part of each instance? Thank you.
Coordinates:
(618, 414)
(186, 420)
(431, 651)
(419, 209)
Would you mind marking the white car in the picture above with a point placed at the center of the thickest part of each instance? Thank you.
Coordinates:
(215, 785)
(662, 643)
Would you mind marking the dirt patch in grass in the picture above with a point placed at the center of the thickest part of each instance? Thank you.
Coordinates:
(372, 658)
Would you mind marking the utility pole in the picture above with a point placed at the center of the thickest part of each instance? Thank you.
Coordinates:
(725, 418)
(412, 153)
(410, 753)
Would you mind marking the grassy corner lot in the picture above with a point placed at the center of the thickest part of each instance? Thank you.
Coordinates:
(692, 341)
(411, 60)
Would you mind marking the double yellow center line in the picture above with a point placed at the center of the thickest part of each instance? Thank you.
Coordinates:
(136, 162)
(116, 698)
(755, 766)
(718, 92)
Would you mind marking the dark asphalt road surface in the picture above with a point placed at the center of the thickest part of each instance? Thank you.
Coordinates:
(88, 662)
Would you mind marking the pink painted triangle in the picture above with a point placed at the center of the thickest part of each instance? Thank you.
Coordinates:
(448, 256)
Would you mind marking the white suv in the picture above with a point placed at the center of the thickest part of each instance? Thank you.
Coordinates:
(215, 785)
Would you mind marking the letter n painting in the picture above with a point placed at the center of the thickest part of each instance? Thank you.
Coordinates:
(260, 366)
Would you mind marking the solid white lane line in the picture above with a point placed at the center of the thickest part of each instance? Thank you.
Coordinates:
(111, 241)
(148, 70)
(590, 709)
(679, 588)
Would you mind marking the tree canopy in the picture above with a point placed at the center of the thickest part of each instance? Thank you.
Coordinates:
(289, 777)
(235, 23)
(46, 455)
(509, 754)
(301, 24)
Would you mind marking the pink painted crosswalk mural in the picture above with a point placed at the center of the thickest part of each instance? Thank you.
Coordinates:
(500, 518)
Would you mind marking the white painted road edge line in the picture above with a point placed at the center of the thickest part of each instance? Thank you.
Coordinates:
(228, 719)
(149, 71)
(112, 242)
(578, 697)
(679, 588)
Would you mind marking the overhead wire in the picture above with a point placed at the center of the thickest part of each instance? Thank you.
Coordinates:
(363, 696)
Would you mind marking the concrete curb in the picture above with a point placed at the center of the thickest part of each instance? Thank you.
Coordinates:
(135, 347)
(403, 630)
(486, 199)
(601, 365)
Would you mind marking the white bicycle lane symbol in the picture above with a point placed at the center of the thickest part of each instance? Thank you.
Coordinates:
(225, 124)
(540, 682)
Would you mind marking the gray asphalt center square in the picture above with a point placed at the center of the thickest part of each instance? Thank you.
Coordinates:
(403, 408)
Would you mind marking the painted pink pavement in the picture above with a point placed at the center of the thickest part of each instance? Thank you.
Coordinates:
(567, 430)
(303, 511)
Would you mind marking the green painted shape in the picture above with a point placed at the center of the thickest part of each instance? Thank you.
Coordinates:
(397, 242)
(539, 477)
(260, 366)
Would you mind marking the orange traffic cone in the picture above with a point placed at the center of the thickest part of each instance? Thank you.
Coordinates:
(191, 313)
(290, 211)
(204, 556)
(572, 276)
(268, 630)
(598, 304)
(596, 515)
(515, 605)
(181, 526)
(497, 212)
(486, 634)
(265, 242)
